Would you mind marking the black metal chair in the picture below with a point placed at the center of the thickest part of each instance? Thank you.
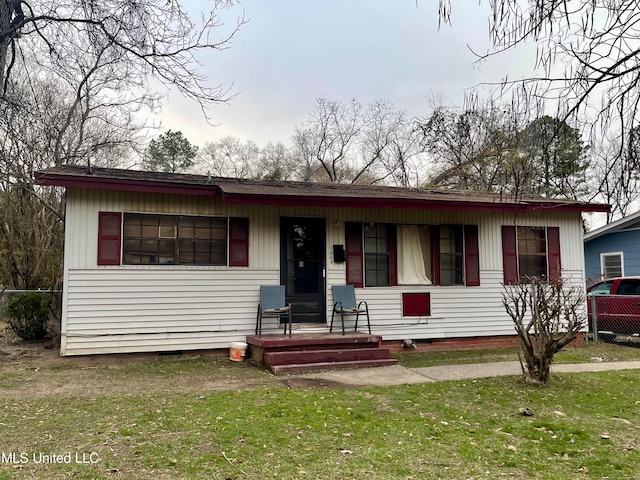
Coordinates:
(344, 298)
(272, 305)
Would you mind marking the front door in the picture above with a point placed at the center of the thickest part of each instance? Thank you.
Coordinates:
(302, 264)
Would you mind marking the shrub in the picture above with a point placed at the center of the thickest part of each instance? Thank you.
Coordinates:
(28, 314)
(547, 316)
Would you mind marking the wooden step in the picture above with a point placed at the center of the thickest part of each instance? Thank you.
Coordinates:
(311, 352)
(297, 368)
(271, 342)
(330, 355)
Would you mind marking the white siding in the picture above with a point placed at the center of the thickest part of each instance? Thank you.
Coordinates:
(132, 310)
(150, 308)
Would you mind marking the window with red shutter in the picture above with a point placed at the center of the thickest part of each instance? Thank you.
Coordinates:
(373, 251)
(529, 252)
(109, 238)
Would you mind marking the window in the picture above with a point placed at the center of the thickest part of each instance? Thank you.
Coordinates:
(530, 252)
(603, 288)
(174, 240)
(151, 239)
(411, 254)
(376, 254)
(451, 255)
(612, 265)
(629, 286)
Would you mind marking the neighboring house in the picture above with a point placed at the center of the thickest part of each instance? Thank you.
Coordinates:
(165, 262)
(613, 250)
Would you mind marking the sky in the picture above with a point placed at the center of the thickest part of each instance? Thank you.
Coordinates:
(292, 52)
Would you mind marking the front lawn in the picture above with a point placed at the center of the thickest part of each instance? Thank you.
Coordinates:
(155, 423)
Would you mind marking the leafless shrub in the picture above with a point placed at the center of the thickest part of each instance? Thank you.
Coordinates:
(547, 316)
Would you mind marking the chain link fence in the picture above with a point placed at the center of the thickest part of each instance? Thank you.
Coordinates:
(615, 318)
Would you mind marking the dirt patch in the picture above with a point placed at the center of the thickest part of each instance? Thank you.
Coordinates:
(307, 383)
(35, 369)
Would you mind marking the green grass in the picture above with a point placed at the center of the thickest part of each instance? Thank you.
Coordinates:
(161, 419)
(584, 426)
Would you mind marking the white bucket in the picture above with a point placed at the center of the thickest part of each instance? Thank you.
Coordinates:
(238, 351)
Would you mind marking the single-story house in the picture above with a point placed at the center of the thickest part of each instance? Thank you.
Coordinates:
(613, 250)
(166, 262)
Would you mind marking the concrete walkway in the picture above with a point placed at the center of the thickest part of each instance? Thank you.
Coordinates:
(397, 375)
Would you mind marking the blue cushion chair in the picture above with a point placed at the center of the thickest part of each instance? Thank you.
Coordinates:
(272, 305)
(344, 298)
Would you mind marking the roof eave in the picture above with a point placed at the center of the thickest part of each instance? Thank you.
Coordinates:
(177, 188)
(396, 203)
(611, 227)
(145, 186)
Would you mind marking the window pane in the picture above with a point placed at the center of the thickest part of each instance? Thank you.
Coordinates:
(532, 266)
(602, 289)
(202, 233)
(370, 245)
(629, 287)
(150, 231)
(132, 230)
(370, 262)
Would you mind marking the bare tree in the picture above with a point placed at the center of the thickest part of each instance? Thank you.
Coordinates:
(277, 162)
(40, 126)
(349, 143)
(325, 140)
(30, 238)
(587, 59)
(614, 176)
(128, 42)
(471, 149)
(547, 316)
(230, 157)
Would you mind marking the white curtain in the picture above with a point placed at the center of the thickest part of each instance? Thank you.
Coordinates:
(413, 248)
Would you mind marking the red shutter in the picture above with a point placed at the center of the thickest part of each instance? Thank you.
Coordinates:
(510, 255)
(553, 254)
(393, 254)
(471, 256)
(238, 242)
(109, 238)
(353, 241)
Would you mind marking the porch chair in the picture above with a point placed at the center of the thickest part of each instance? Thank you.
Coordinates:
(272, 305)
(344, 298)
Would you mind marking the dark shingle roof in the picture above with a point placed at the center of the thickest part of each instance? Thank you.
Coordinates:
(234, 190)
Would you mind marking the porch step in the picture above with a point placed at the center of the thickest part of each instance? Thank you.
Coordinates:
(312, 352)
(324, 366)
(325, 355)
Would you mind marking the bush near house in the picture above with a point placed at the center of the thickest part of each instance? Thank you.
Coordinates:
(27, 314)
